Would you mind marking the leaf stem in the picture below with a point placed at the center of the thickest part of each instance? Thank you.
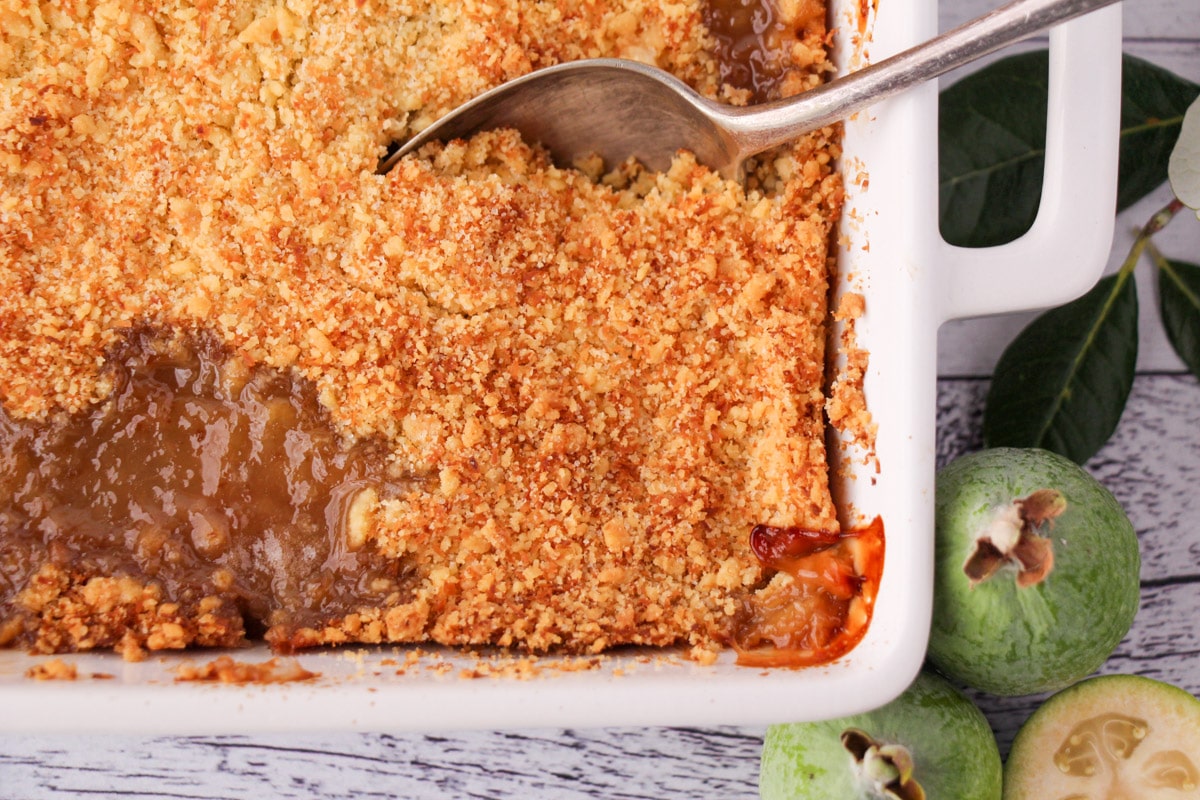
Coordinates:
(1157, 257)
(1167, 268)
(1157, 222)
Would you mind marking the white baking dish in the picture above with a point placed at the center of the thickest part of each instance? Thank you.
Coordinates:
(912, 281)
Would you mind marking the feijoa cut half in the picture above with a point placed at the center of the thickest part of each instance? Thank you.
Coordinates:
(929, 743)
(1113, 737)
(1036, 580)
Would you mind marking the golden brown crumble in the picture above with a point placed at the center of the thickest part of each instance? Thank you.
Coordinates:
(226, 669)
(847, 404)
(611, 381)
(71, 611)
(526, 668)
(53, 670)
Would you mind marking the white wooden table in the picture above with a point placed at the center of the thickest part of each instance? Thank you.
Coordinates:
(1152, 465)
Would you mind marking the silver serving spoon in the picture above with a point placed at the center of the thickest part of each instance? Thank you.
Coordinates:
(616, 108)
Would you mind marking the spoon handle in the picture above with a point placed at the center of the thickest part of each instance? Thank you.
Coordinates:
(758, 128)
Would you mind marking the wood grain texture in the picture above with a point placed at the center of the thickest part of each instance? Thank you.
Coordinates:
(1143, 19)
(612, 763)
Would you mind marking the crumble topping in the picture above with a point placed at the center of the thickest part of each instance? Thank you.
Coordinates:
(53, 670)
(609, 376)
(226, 669)
(847, 404)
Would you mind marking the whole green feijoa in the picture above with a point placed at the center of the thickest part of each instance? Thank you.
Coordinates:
(931, 743)
(1036, 580)
(1113, 736)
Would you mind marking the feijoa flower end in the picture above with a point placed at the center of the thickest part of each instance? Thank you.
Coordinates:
(929, 743)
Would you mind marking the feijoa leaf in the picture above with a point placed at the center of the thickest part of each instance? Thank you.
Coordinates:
(1179, 303)
(1062, 383)
(1153, 104)
(992, 129)
(992, 134)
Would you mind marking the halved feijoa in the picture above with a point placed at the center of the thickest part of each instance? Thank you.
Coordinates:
(1114, 737)
(928, 744)
(1036, 580)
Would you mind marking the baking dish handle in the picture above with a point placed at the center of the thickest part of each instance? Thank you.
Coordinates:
(1064, 252)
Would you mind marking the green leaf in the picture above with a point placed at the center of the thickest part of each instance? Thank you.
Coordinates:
(1179, 302)
(1153, 104)
(992, 133)
(1063, 382)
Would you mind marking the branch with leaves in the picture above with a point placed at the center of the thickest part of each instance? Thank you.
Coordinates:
(1063, 382)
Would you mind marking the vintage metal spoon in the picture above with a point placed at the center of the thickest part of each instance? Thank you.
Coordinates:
(617, 108)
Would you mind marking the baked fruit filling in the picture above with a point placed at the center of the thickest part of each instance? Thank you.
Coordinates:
(223, 484)
(250, 387)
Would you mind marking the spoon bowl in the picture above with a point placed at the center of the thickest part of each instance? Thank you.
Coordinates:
(618, 109)
(610, 107)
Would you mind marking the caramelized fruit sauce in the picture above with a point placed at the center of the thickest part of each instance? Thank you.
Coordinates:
(205, 478)
(753, 42)
(821, 607)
